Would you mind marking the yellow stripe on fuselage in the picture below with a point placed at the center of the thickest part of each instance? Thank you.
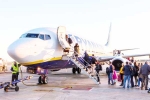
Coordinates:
(41, 61)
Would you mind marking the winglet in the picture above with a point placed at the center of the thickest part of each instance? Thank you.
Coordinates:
(108, 40)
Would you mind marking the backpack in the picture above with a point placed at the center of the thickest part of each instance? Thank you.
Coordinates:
(107, 70)
(93, 60)
(70, 41)
(98, 67)
(132, 69)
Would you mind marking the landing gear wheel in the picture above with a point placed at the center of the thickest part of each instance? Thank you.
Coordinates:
(16, 88)
(45, 79)
(40, 80)
(6, 89)
(78, 70)
(73, 70)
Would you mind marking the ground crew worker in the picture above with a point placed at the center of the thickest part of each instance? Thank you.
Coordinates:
(15, 72)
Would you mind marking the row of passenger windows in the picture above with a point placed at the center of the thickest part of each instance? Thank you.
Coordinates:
(35, 35)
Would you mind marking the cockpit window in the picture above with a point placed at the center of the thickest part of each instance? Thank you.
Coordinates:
(47, 37)
(23, 35)
(32, 35)
(41, 36)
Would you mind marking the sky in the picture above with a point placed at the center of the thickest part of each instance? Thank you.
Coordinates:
(89, 19)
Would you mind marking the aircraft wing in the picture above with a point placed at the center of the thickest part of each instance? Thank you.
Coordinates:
(107, 58)
(127, 49)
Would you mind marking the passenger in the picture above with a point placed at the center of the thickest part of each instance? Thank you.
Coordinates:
(145, 69)
(132, 60)
(15, 72)
(139, 75)
(136, 69)
(76, 50)
(108, 74)
(114, 75)
(121, 72)
(86, 58)
(127, 75)
(93, 62)
(119, 52)
(132, 73)
(98, 68)
(111, 68)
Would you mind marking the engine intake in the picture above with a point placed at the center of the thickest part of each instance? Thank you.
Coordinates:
(117, 62)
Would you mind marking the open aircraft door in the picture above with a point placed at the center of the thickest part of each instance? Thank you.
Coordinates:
(62, 37)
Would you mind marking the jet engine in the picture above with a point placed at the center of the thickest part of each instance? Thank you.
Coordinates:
(117, 62)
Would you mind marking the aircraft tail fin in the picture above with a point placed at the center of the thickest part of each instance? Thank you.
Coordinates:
(108, 39)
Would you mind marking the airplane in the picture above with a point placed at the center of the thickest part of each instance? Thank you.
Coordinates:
(44, 48)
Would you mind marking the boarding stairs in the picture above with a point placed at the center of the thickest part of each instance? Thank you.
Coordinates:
(80, 63)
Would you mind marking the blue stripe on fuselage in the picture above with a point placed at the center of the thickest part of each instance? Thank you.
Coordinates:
(86, 42)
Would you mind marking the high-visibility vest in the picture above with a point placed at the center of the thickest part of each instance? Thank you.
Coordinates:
(121, 70)
(15, 69)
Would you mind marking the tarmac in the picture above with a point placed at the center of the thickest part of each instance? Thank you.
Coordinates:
(63, 85)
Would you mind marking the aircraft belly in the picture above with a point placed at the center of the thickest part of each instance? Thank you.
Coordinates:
(57, 64)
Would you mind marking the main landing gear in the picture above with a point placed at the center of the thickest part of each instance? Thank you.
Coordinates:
(76, 69)
(43, 79)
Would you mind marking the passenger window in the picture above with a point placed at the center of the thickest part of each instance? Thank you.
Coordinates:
(41, 36)
(47, 37)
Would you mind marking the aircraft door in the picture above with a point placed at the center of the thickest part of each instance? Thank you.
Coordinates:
(63, 37)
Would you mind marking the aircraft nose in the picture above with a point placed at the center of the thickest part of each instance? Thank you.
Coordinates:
(20, 49)
(16, 50)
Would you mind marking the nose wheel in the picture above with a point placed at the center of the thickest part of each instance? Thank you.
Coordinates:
(43, 79)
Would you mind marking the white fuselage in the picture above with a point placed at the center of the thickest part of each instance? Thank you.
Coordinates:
(33, 50)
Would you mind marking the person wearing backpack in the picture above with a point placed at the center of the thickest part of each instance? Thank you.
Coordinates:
(132, 73)
(135, 69)
(108, 74)
(127, 74)
(98, 68)
(86, 58)
(93, 62)
(145, 70)
(111, 68)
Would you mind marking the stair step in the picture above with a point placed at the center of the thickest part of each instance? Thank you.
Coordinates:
(80, 65)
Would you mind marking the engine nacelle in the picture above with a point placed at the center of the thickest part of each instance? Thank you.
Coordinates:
(117, 62)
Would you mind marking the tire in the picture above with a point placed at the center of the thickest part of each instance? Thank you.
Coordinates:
(73, 70)
(79, 70)
(40, 80)
(16, 88)
(45, 80)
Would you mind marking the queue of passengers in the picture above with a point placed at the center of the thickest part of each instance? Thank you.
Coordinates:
(131, 75)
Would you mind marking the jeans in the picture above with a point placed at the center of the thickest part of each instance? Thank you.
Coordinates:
(108, 78)
(144, 81)
(132, 82)
(139, 80)
(111, 78)
(97, 75)
(126, 78)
